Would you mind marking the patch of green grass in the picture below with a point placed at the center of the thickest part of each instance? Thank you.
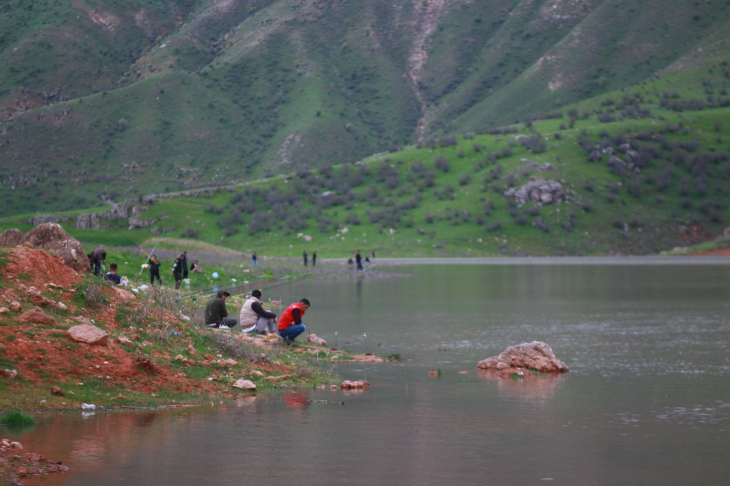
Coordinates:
(393, 357)
(16, 418)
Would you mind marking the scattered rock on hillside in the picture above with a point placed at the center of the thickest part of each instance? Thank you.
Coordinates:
(539, 191)
(4, 310)
(123, 295)
(11, 373)
(56, 391)
(83, 320)
(15, 306)
(317, 341)
(36, 316)
(535, 355)
(244, 384)
(11, 237)
(85, 333)
(53, 238)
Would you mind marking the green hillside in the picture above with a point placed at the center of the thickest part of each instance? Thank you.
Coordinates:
(642, 170)
(106, 100)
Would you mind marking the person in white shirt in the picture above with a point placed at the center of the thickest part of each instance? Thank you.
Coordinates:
(254, 318)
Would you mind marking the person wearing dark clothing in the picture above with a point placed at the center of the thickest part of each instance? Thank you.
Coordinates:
(290, 323)
(314, 258)
(254, 318)
(97, 258)
(112, 275)
(216, 314)
(304, 256)
(195, 267)
(177, 271)
(154, 270)
(254, 260)
(185, 265)
(358, 260)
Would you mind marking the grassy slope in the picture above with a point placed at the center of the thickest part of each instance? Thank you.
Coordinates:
(693, 194)
(229, 91)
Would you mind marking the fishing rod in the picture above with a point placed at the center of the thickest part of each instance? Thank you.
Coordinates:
(241, 289)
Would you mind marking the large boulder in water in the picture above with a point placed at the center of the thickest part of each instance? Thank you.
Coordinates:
(52, 238)
(11, 237)
(535, 355)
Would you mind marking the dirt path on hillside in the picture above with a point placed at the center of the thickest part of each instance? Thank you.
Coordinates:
(427, 14)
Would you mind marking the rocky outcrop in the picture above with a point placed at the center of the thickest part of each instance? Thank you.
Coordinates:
(539, 191)
(97, 221)
(355, 385)
(317, 341)
(11, 237)
(43, 218)
(88, 334)
(52, 238)
(535, 355)
(36, 316)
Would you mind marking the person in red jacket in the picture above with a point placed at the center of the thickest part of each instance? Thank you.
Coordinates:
(290, 322)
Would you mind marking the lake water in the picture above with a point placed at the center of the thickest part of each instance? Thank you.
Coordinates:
(647, 400)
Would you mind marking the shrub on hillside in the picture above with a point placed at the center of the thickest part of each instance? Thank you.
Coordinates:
(464, 180)
(442, 163)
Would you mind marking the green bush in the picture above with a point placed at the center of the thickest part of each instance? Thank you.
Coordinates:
(16, 418)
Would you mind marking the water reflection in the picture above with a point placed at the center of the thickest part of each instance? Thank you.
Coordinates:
(532, 389)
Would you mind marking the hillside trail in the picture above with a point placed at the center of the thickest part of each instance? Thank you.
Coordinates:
(427, 14)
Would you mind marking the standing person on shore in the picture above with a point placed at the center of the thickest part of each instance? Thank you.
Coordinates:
(97, 258)
(185, 265)
(358, 260)
(177, 271)
(254, 318)
(154, 270)
(304, 256)
(314, 258)
(254, 260)
(373, 254)
(216, 314)
(290, 323)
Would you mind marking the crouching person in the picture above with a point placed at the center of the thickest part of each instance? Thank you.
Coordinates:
(290, 324)
(216, 314)
(254, 318)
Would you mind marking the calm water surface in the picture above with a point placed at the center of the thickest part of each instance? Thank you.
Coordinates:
(647, 400)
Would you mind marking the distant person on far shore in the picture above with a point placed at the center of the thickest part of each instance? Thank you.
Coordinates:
(216, 314)
(304, 256)
(290, 322)
(254, 260)
(154, 270)
(373, 255)
(97, 258)
(112, 275)
(358, 260)
(314, 258)
(254, 318)
(195, 267)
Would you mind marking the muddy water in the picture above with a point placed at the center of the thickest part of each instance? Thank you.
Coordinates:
(647, 400)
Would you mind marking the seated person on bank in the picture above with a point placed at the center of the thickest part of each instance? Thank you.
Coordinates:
(290, 323)
(254, 318)
(216, 314)
(195, 267)
(112, 275)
